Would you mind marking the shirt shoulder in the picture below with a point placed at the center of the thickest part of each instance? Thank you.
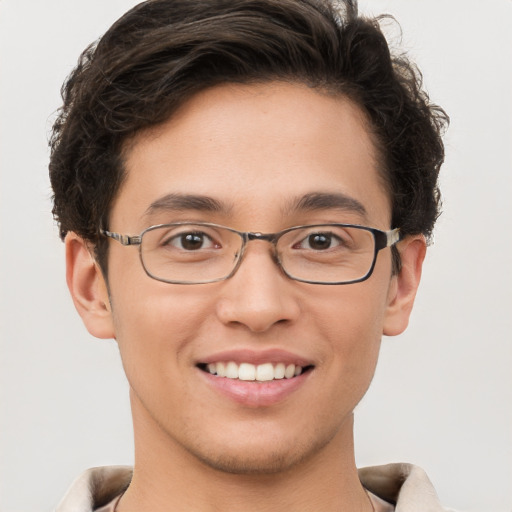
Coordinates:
(405, 486)
(96, 488)
(111, 506)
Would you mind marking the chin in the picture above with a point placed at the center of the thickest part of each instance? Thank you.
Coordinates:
(258, 459)
(247, 465)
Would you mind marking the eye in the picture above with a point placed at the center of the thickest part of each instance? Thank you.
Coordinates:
(192, 241)
(321, 241)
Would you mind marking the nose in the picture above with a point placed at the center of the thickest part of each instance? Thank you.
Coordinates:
(259, 295)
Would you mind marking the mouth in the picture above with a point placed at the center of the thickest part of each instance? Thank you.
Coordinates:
(264, 372)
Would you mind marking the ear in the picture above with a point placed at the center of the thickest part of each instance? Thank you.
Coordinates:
(404, 285)
(88, 287)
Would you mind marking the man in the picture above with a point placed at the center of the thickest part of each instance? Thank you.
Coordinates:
(245, 189)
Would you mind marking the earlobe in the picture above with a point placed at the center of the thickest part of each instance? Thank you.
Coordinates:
(88, 288)
(403, 288)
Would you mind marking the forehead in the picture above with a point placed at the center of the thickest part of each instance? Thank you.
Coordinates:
(257, 151)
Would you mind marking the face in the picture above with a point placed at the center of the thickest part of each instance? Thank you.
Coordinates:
(256, 151)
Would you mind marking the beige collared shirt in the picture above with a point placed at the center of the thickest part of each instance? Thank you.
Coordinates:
(392, 488)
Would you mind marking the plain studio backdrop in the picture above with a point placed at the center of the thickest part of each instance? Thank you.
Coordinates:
(442, 395)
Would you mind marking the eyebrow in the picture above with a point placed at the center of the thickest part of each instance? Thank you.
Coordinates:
(313, 201)
(327, 201)
(183, 202)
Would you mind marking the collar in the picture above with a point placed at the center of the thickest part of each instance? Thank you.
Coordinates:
(404, 485)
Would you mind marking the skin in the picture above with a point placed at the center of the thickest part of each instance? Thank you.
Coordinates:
(255, 149)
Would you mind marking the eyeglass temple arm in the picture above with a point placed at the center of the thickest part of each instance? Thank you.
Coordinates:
(122, 239)
(392, 237)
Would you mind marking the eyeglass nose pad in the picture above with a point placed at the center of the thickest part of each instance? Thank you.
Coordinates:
(239, 256)
(249, 237)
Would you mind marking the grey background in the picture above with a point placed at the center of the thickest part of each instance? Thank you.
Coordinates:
(442, 396)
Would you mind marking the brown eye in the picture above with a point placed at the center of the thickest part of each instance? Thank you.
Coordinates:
(193, 241)
(319, 241)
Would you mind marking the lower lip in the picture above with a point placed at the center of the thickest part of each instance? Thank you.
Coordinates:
(254, 393)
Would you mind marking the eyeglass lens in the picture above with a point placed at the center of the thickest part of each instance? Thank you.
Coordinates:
(197, 253)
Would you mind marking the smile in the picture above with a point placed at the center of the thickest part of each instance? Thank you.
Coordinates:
(256, 379)
(251, 372)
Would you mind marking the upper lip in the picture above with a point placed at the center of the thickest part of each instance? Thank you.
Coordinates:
(256, 357)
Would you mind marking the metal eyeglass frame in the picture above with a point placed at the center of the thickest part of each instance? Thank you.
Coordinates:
(382, 240)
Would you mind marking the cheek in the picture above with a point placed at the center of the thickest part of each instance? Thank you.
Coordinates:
(146, 310)
(155, 333)
(350, 322)
(353, 312)
(154, 324)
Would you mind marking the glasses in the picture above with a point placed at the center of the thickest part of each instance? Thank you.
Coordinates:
(197, 253)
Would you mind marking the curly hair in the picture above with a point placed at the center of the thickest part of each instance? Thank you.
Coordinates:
(162, 52)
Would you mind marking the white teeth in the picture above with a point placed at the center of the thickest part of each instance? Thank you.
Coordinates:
(220, 369)
(232, 370)
(264, 372)
(279, 371)
(247, 371)
(289, 372)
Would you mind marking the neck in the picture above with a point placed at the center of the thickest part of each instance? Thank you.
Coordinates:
(168, 477)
